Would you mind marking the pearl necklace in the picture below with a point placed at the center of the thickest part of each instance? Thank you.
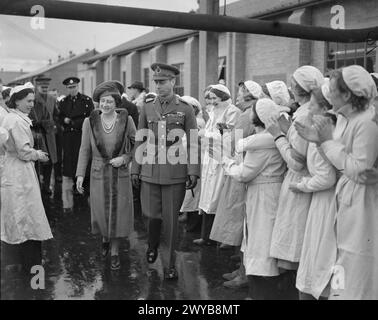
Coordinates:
(108, 126)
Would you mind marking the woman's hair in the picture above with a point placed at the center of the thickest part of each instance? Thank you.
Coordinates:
(320, 99)
(299, 90)
(256, 120)
(220, 94)
(265, 90)
(18, 96)
(358, 103)
(5, 93)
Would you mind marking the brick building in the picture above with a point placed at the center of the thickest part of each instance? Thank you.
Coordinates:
(233, 56)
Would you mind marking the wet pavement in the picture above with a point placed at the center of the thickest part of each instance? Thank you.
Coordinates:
(74, 268)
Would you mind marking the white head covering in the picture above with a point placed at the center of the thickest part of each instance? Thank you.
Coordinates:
(192, 101)
(359, 81)
(279, 92)
(254, 88)
(27, 85)
(325, 90)
(266, 108)
(308, 77)
(221, 87)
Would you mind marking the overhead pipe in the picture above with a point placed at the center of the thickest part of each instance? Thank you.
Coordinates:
(179, 20)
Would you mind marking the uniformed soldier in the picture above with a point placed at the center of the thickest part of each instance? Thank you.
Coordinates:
(163, 183)
(43, 129)
(74, 108)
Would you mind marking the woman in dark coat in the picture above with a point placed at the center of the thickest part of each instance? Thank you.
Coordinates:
(108, 139)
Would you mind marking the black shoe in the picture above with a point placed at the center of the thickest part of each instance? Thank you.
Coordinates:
(115, 263)
(170, 274)
(151, 255)
(105, 249)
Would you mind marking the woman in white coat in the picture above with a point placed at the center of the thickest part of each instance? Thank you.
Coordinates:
(353, 148)
(223, 117)
(24, 223)
(293, 208)
(319, 245)
(263, 172)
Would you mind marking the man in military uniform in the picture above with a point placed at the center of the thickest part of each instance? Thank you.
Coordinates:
(163, 181)
(74, 108)
(43, 129)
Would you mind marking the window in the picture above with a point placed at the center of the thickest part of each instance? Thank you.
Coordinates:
(345, 54)
(146, 77)
(222, 68)
(179, 88)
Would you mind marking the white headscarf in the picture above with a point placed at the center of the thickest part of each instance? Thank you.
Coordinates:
(279, 92)
(221, 87)
(325, 90)
(254, 88)
(308, 77)
(359, 81)
(27, 85)
(266, 108)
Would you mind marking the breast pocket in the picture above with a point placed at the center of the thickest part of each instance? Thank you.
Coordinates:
(175, 121)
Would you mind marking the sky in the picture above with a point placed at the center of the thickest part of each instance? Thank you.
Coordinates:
(22, 47)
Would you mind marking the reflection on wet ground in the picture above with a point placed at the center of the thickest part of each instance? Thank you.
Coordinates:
(74, 267)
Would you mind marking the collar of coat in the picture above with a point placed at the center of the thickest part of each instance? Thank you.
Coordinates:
(98, 132)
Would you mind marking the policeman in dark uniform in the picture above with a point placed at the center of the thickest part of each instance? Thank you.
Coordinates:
(74, 108)
(169, 169)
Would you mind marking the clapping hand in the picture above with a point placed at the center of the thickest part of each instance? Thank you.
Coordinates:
(307, 132)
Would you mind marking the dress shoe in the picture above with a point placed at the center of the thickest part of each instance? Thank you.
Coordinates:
(236, 283)
(151, 255)
(232, 275)
(170, 274)
(115, 263)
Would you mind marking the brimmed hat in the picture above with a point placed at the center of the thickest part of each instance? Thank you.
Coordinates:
(108, 88)
(136, 85)
(164, 71)
(70, 81)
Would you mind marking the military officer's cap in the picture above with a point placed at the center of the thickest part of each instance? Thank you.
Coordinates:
(164, 71)
(107, 88)
(42, 80)
(70, 81)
